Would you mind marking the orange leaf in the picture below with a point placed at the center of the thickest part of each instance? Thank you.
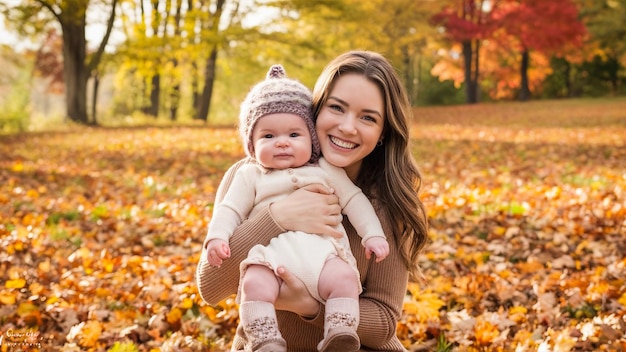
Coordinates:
(174, 316)
(485, 333)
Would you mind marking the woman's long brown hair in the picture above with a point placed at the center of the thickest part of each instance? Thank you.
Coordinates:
(389, 172)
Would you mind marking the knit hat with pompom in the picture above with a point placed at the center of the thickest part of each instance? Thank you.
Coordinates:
(277, 94)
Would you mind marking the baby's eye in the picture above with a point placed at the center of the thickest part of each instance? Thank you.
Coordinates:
(268, 136)
(294, 134)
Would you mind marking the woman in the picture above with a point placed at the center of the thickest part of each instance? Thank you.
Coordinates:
(362, 120)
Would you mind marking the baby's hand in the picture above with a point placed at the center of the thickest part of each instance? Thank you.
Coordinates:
(216, 251)
(378, 246)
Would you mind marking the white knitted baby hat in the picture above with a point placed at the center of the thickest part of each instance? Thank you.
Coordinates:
(277, 94)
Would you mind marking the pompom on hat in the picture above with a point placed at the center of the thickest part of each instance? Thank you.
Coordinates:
(277, 94)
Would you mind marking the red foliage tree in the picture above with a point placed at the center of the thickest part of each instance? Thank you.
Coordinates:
(468, 22)
(544, 26)
(49, 62)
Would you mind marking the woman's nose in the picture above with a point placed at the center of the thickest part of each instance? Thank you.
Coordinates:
(348, 126)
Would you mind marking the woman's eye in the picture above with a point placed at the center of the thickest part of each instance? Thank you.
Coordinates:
(369, 118)
(335, 107)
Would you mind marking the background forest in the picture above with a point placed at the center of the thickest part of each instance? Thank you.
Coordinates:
(115, 62)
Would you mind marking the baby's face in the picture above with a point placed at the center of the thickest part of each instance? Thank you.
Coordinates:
(281, 141)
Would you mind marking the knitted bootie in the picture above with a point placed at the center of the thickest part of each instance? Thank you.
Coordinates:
(340, 324)
(258, 321)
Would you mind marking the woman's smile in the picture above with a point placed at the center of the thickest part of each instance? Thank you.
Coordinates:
(342, 143)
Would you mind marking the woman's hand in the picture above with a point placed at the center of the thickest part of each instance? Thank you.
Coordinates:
(311, 209)
(294, 297)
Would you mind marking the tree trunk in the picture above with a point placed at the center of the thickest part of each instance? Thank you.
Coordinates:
(614, 68)
(195, 92)
(470, 76)
(174, 101)
(75, 71)
(94, 98)
(155, 91)
(408, 73)
(569, 92)
(524, 92)
(476, 71)
(209, 79)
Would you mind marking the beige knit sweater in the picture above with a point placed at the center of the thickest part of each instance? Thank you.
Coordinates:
(384, 283)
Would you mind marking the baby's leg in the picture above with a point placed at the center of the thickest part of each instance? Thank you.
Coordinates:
(338, 285)
(259, 289)
(338, 279)
(259, 283)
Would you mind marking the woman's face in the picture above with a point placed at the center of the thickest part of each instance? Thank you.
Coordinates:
(351, 122)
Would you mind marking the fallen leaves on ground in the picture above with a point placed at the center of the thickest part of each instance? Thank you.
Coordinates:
(101, 231)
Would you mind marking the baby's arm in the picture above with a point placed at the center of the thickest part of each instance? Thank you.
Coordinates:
(363, 217)
(228, 213)
(223, 223)
(360, 212)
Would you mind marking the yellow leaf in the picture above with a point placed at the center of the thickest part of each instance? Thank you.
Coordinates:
(518, 314)
(52, 300)
(16, 283)
(622, 299)
(108, 264)
(35, 288)
(518, 310)
(505, 273)
(174, 316)
(186, 303)
(103, 292)
(26, 308)
(422, 305)
(7, 298)
(499, 231)
(18, 167)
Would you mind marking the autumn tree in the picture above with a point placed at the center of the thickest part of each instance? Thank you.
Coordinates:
(402, 32)
(604, 21)
(49, 62)
(544, 26)
(175, 43)
(468, 22)
(71, 16)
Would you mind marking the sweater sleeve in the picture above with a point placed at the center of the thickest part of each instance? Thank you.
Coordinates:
(216, 284)
(382, 299)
